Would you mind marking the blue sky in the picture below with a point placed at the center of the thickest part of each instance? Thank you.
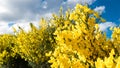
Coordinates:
(14, 13)
(111, 12)
(112, 9)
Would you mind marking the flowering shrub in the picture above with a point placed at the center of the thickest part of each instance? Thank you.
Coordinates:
(72, 40)
(78, 39)
(110, 62)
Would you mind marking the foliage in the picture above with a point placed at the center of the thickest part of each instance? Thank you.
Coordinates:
(6, 45)
(72, 40)
(79, 40)
(110, 62)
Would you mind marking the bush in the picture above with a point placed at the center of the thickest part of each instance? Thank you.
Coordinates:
(72, 40)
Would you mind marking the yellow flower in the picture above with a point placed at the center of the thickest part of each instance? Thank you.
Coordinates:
(99, 63)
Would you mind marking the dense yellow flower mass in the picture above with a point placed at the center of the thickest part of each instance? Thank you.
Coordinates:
(79, 41)
(6, 44)
(116, 38)
(72, 40)
(109, 62)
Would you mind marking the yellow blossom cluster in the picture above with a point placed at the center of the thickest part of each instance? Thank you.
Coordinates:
(72, 40)
(108, 62)
(116, 35)
(30, 46)
(79, 41)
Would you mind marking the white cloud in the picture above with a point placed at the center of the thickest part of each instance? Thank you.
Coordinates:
(4, 10)
(21, 12)
(119, 19)
(100, 9)
(104, 26)
(47, 15)
(44, 5)
(89, 2)
(4, 28)
(25, 25)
